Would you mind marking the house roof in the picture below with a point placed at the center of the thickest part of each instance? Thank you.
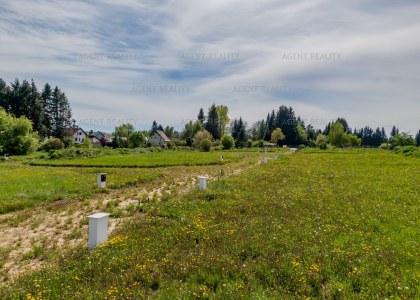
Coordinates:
(99, 135)
(163, 135)
(70, 131)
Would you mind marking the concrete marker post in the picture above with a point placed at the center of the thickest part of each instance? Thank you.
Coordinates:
(98, 229)
(101, 180)
(203, 182)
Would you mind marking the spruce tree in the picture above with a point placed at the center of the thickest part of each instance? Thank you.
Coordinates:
(394, 131)
(201, 117)
(241, 134)
(36, 113)
(47, 102)
(60, 113)
(418, 138)
(212, 125)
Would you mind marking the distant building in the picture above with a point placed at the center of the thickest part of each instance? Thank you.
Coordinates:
(159, 138)
(77, 134)
(99, 138)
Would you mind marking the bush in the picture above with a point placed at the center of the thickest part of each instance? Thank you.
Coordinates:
(227, 142)
(16, 134)
(408, 150)
(68, 142)
(402, 139)
(321, 141)
(135, 139)
(171, 145)
(180, 143)
(206, 145)
(201, 135)
(259, 144)
(249, 144)
(52, 144)
(353, 141)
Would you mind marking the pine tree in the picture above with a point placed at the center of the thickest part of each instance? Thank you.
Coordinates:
(60, 113)
(418, 138)
(287, 121)
(4, 95)
(384, 137)
(46, 97)
(212, 125)
(201, 117)
(327, 129)
(267, 132)
(36, 113)
(234, 130)
(241, 134)
(377, 138)
(154, 127)
(394, 131)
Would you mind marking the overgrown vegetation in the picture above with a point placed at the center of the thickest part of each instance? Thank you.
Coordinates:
(334, 224)
(125, 158)
(28, 186)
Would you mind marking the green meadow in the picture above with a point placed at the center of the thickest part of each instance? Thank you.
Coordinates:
(145, 160)
(311, 225)
(23, 186)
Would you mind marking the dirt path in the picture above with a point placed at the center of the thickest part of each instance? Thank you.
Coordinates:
(36, 237)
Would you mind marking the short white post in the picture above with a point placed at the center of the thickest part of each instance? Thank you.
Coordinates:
(101, 180)
(203, 182)
(98, 229)
(265, 160)
(221, 157)
(275, 157)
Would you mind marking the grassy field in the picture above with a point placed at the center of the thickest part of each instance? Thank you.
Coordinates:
(340, 225)
(151, 159)
(23, 186)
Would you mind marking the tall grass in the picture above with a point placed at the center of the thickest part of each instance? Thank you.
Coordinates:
(309, 225)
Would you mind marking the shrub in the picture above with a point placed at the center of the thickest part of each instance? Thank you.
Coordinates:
(68, 141)
(135, 139)
(52, 144)
(227, 142)
(408, 150)
(206, 145)
(16, 134)
(259, 144)
(384, 146)
(353, 140)
(86, 143)
(321, 141)
(201, 135)
(277, 136)
(180, 143)
(402, 139)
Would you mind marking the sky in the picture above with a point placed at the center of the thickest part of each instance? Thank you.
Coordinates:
(127, 61)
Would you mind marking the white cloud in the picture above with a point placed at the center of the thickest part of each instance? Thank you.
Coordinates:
(76, 46)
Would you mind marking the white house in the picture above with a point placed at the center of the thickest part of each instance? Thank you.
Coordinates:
(159, 138)
(78, 134)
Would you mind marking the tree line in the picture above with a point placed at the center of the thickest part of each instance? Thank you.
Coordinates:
(49, 110)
